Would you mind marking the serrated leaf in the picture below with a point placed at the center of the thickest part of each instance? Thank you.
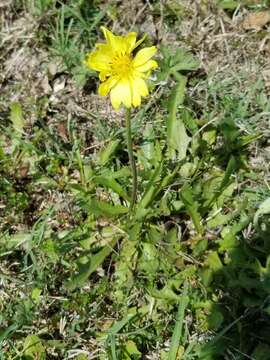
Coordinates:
(184, 61)
(175, 61)
(149, 261)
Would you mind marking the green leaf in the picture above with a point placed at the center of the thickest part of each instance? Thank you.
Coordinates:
(124, 269)
(33, 348)
(117, 326)
(215, 344)
(215, 317)
(82, 357)
(192, 207)
(16, 240)
(132, 351)
(148, 145)
(5, 333)
(184, 61)
(177, 333)
(114, 330)
(228, 4)
(226, 181)
(111, 183)
(102, 208)
(151, 189)
(106, 153)
(177, 137)
(16, 116)
(229, 234)
(87, 269)
(213, 261)
(174, 61)
(149, 261)
(264, 209)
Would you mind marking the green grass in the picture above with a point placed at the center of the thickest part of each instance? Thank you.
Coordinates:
(187, 275)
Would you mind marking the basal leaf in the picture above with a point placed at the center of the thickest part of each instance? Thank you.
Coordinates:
(102, 208)
(192, 207)
(107, 152)
(111, 183)
(177, 333)
(151, 189)
(90, 266)
(177, 137)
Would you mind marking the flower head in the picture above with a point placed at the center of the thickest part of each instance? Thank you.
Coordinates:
(120, 73)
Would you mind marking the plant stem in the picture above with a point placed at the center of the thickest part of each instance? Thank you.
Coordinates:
(131, 160)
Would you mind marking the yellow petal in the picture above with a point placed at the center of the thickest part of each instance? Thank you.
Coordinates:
(99, 61)
(138, 89)
(149, 65)
(143, 56)
(140, 86)
(103, 75)
(117, 43)
(109, 36)
(136, 97)
(106, 86)
(121, 93)
(130, 40)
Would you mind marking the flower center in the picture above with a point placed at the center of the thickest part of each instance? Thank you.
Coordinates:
(121, 65)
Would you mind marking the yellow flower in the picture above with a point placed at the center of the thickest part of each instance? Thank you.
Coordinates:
(121, 74)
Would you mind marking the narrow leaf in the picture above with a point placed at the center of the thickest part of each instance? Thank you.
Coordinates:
(112, 184)
(106, 153)
(192, 207)
(151, 188)
(177, 137)
(102, 208)
(177, 333)
(87, 269)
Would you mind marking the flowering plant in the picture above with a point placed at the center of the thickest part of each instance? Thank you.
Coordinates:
(123, 76)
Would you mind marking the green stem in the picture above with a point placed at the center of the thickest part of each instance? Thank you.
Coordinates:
(131, 160)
